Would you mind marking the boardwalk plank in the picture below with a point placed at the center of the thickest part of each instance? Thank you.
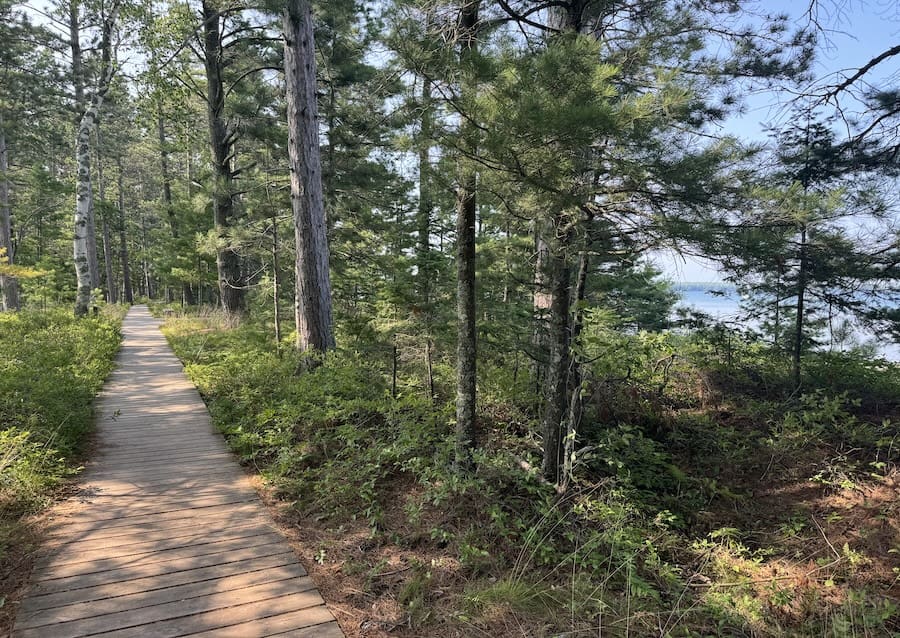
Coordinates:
(166, 536)
(154, 570)
(138, 617)
(307, 623)
(113, 590)
(213, 621)
(156, 597)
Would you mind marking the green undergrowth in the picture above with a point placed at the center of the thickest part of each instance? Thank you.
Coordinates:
(52, 367)
(659, 534)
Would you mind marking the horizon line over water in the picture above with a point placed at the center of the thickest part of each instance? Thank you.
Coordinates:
(721, 301)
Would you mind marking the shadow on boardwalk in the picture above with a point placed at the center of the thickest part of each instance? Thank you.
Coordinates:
(166, 537)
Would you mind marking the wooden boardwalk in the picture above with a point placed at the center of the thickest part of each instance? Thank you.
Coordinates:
(166, 537)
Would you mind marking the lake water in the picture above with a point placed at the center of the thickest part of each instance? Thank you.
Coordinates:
(722, 303)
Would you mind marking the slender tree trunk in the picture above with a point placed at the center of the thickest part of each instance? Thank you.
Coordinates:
(221, 139)
(798, 325)
(127, 290)
(424, 266)
(507, 266)
(276, 308)
(187, 295)
(576, 405)
(466, 352)
(164, 170)
(92, 252)
(83, 211)
(89, 231)
(558, 275)
(9, 284)
(540, 307)
(145, 263)
(313, 282)
(777, 336)
(429, 369)
(111, 288)
(85, 244)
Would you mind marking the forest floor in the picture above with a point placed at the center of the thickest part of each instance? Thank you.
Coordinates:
(738, 509)
(800, 544)
(747, 513)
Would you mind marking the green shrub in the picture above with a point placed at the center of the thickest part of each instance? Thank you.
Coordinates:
(53, 366)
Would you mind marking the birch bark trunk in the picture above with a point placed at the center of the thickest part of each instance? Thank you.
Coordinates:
(313, 283)
(87, 269)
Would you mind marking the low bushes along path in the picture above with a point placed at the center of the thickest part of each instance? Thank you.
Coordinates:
(169, 538)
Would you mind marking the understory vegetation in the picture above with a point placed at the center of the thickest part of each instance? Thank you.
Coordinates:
(709, 496)
(53, 366)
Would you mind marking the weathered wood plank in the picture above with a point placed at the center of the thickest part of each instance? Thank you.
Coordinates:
(166, 536)
(154, 570)
(99, 592)
(156, 597)
(314, 622)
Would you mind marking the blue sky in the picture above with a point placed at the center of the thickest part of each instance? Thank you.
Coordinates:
(856, 32)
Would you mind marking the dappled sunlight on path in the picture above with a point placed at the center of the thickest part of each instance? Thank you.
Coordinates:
(165, 537)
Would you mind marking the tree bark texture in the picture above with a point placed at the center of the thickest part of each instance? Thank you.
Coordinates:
(187, 295)
(221, 140)
(275, 282)
(87, 269)
(801, 298)
(558, 275)
(127, 291)
(425, 204)
(78, 82)
(166, 179)
(540, 307)
(111, 287)
(466, 348)
(576, 376)
(313, 281)
(9, 284)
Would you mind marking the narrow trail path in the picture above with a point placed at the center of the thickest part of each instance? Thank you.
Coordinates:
(166, 537)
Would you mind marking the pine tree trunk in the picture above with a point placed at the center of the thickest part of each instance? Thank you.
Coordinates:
(423, 216)
(111, 288)
(127, 290)
(10, 285)
(147, 283)
(92, 252)
(275, 281)
(540, 307)
(558, 275)
(466, 426)
(576, 404)
(164, 170)
(798, 326)
(187, 295)
(313, 282)
(221, 140)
